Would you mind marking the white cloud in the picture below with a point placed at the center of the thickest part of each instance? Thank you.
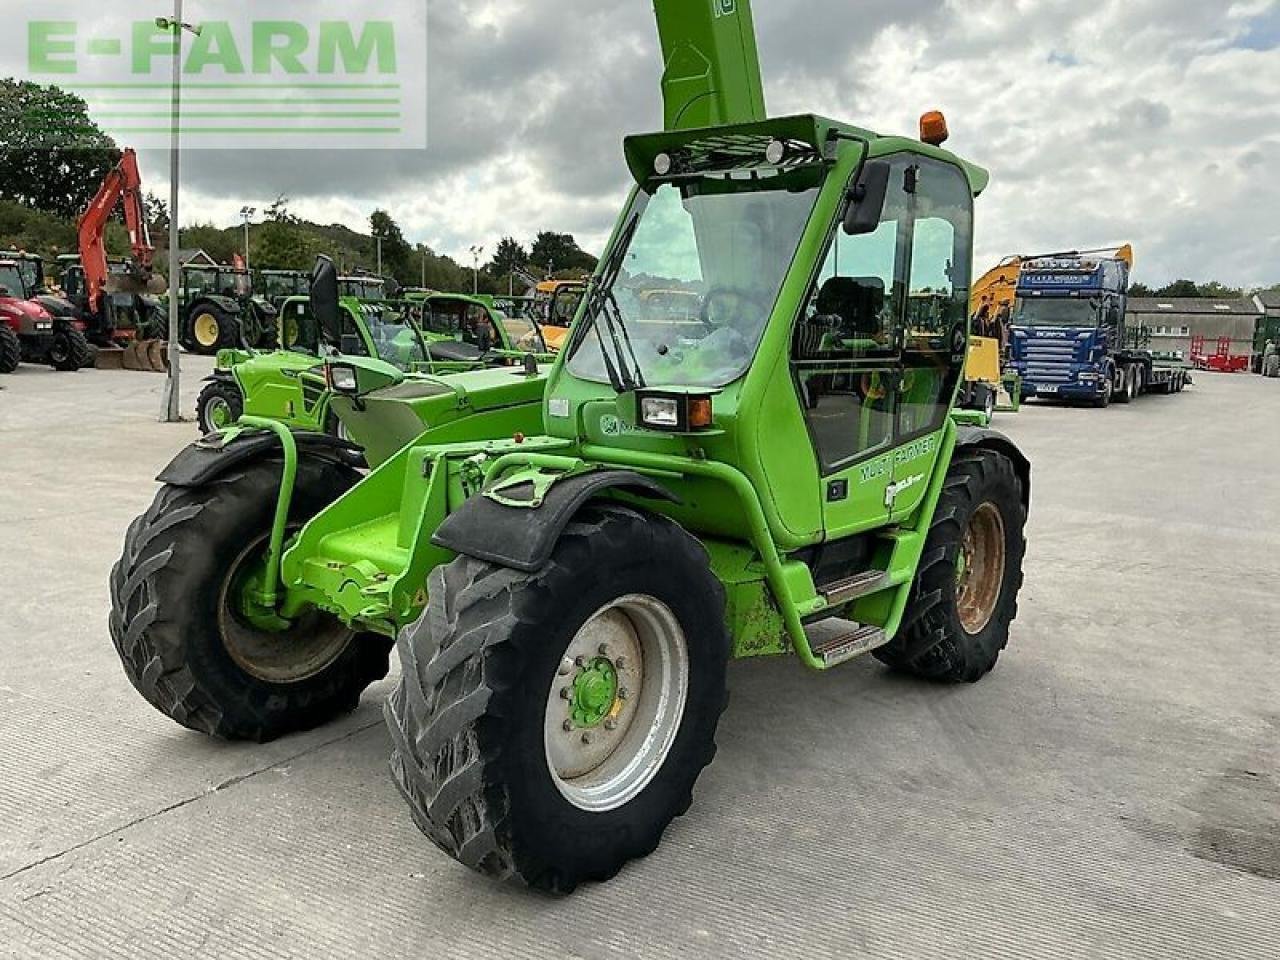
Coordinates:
(1150, 121)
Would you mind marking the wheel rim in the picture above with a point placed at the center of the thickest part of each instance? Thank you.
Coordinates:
(280, 652)
(616, 703)
(206, 330)
(218, 413)
(60, 350)
(980, 568)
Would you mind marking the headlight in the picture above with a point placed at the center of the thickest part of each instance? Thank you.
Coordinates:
(675, 413)
(660, 412)
(342, 379)
(44, 326)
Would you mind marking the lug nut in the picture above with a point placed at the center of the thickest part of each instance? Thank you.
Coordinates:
(566, 693)
(611, 724)
(604, 649)
(566, 667)
(623, 693)
(580, 661)
(586, 739)
(568, 726)
(620, 663)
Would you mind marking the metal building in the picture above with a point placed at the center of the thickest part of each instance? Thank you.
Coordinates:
(1175, 323)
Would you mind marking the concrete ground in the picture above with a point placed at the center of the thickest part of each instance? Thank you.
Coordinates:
(1112, 790)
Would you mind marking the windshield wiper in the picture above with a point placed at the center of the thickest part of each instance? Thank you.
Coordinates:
(602, 304)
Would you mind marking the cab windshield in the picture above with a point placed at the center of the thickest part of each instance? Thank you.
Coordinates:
(394, 337)
(11, 280)
(699, 268)
(1063, 312)
(362, 289)
(275, 286)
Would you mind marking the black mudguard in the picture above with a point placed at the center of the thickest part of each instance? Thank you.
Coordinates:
(207, 460)
(523, 538)
(986, 439)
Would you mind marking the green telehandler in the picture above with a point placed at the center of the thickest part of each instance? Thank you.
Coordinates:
(708, 484)
(444, 334)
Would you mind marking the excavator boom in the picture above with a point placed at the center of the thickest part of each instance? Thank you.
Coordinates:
(122, 185)
(712, 73)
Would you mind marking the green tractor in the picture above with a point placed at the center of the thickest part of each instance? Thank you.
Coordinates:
(776, 472)
(219, 310)
(277, 286)
(445, 334)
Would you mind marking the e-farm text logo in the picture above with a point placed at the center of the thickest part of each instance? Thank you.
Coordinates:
(292, 79)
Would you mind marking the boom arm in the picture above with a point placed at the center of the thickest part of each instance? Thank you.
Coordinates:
(122, 184)
(712, 71)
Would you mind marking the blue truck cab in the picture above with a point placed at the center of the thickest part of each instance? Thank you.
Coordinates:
(1068, 323)
(1069, 336)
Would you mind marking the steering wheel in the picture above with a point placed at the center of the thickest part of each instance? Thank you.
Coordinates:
(740, 293)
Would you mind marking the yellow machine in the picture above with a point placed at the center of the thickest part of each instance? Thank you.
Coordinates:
(557, 302)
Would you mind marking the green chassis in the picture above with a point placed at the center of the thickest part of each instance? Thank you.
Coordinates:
(289, 387)
(756, 505)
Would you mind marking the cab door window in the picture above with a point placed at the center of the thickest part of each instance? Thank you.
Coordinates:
(937, 310)
(845, 352)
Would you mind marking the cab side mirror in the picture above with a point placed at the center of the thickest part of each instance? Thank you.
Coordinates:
(866, 199)
(324, 300)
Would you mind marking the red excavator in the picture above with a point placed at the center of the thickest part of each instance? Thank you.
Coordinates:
(114, 299)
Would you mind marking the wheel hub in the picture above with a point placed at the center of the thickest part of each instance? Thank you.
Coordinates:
(595, 693)
(980, 568)
(206, 329)
(263, 644)
(616, 703)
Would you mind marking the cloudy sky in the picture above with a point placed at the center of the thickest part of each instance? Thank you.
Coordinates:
(1150, 121)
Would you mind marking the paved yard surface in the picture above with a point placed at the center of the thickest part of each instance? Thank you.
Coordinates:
(1113, 790)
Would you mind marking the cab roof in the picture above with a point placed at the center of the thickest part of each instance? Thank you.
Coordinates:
(809, 138)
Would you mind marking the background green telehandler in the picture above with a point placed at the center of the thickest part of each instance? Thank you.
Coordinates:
(776, 472)
(443, 334)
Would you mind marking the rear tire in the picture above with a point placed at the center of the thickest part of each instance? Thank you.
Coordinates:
(70, 351)
(957, 619)
(219, 405)
(191, 653)
(482, 731)
(10, 350)
(210, 329)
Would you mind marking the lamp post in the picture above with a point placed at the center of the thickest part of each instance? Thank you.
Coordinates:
(171, 412)
(246, 214)
(476, 251)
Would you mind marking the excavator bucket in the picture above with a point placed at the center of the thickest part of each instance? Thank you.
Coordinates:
(128, 283)
(109, 358)
(144, 356)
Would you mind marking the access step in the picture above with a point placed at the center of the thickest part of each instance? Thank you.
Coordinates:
(839, 641)
(851, 588)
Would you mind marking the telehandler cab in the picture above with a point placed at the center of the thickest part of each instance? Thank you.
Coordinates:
(565, 605)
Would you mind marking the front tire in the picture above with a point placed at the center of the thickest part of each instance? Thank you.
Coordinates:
(193, 652)
(527, 756)
(966, 591)
(219, 405)
(10, 349)
(70, 351)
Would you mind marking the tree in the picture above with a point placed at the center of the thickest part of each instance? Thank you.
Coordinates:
(556, 252)
(508, 258)
(1220, 291)
(395, 249)
(1140, 290)
(52, 156)
(1178, 289)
